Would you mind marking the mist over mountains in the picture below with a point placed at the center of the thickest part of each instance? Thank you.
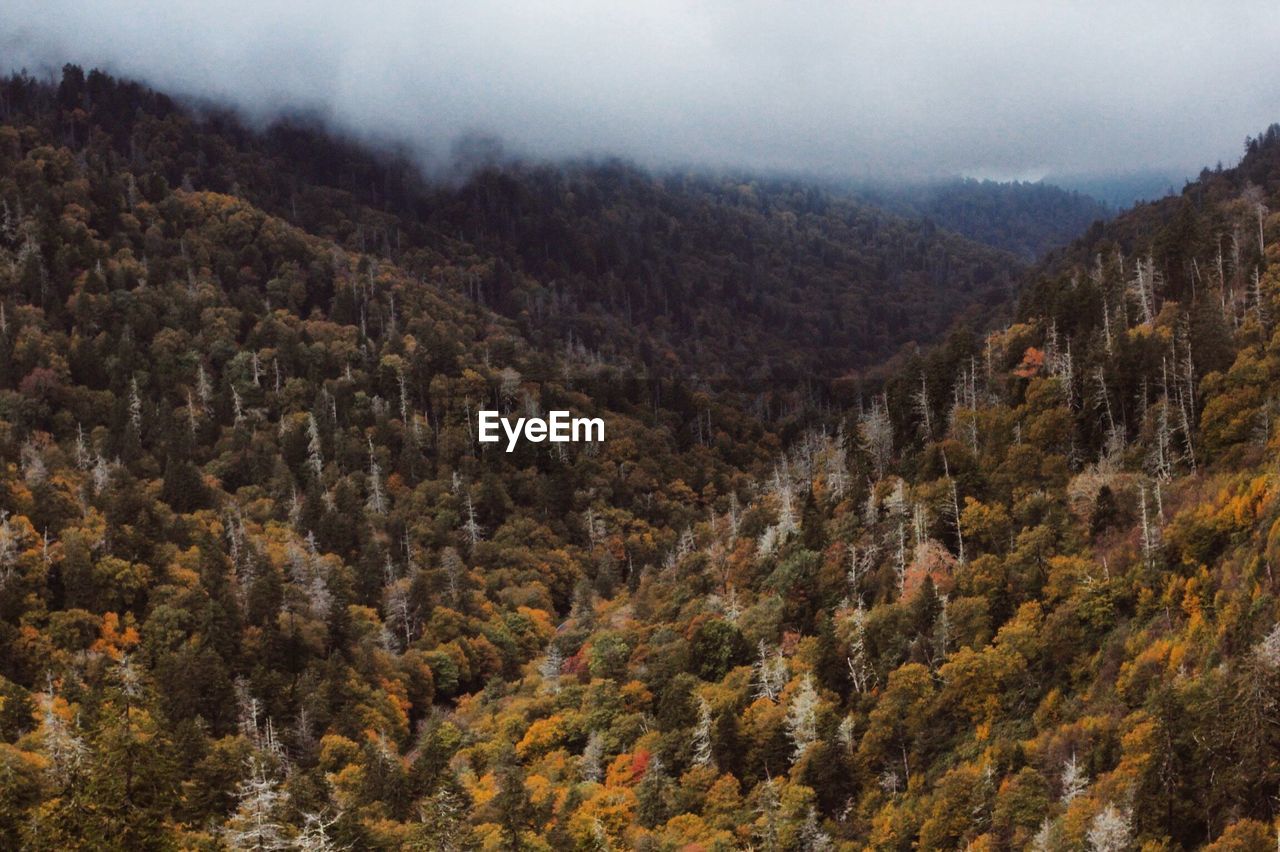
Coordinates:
(931, 513)
(838, 91)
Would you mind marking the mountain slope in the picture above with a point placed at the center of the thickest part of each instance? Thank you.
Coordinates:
(756, 285)
(752, 284)
(261, 587)
(1023, 218)
(241, 489)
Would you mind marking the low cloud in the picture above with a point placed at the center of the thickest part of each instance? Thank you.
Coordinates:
(915, 89)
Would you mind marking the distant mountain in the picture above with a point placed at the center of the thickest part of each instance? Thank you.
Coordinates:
(1026, 219)
(1120, 191)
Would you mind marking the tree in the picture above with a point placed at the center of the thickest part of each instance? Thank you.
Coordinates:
(315, 834)
(256, 824)
(770, 672)
(802, 716)
(1110, 830)
(1074, 780)
(703, 754)
(812, 837)
(442, 825)
(767, 830)
(591, 762)
(127, 787)
(551, 666)
(512, 799)
(376, 502)
(654, 794)
(471, 526)
(875, 435)
(718, 646)
(314, 458)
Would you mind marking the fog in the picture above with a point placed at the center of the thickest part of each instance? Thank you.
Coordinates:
(899, 89)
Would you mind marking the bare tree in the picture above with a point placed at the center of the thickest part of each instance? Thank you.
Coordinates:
(802, 717)
(1143, 287)
(920, 399)
(592, 760)
(1150, 532)
(770, 672)
(314, 836)
(135, 405)
(314, 459)
(376, 503)
(256, 824)
(812, 837)
(471, 526)
(1074, 780)
(955, 509)
(875, 436)
(858, 663)
(65, 748)
(1111, 830)
(398, 606)
(549, 668)
(451, 564)
(702, 754)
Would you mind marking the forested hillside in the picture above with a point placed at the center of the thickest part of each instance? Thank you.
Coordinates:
(261, 588)
(749, 284)
(746, 284)
(1024, 218)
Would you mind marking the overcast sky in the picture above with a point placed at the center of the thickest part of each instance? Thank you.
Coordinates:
(1002, 89)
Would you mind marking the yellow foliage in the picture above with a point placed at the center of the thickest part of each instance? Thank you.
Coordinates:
(483, 789)
(114, 641)
(689, 833)
(612, 807)
(542, 736)
(337, 751)
(1246, 835)
(1157, 658)
(636, 697)
(346, 784)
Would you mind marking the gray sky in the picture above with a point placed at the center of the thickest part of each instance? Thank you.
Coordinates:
(999, 89)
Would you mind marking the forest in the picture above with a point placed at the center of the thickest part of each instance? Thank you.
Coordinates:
(1025, 218)
(897, 540)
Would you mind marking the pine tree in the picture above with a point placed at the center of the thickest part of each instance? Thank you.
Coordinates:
(512, 800)
(654, 794)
